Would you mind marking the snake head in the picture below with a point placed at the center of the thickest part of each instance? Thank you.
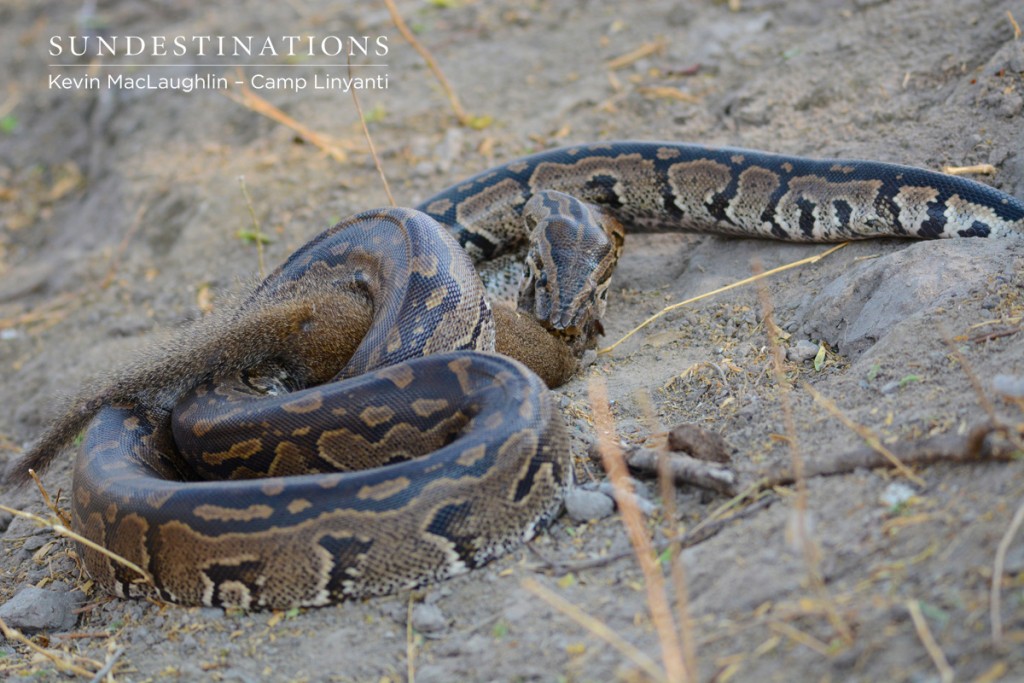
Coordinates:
(574, 248)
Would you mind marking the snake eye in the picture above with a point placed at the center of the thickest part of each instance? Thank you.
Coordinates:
(542, 280)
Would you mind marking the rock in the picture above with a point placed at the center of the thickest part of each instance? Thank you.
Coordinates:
(1010, 386)
(36, 609)
(801, 351)
(582, 505)
(428, 619)
(896, 494)
(699, 443)
(875, 298)
(639, 497)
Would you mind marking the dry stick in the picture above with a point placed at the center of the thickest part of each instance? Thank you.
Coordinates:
(798, 636)
(464, 118)
(57, 512)
(949, 448)
(734, 285)
(255, 224)
(997, 575)
(64, 531)
(928, 640)
(598, 628)
(976, 169)
(369, 140)
(109, 666)
(1016, 26)
(636, 54)
(808, 545)
(14, 635)
(615, 465)
(872, 440)
(251, 100)
(666, 485)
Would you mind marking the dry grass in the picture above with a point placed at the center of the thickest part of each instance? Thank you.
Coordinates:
(677, 669)
(746, 281)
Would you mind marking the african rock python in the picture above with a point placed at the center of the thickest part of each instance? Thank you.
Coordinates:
(385, 303)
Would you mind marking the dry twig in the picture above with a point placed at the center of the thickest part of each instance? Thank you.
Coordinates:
(461, 114)
(872, 440)
(62, 530)
(250, 100)
(734, 285)
(632, 518)
(369, 140)
(14, 635)
(995, 596)
(636, 54)
(928, 640)
(976, 169)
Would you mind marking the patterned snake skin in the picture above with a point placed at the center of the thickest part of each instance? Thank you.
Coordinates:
(370, 348)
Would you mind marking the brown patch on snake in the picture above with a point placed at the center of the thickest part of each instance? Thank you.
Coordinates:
(459, 368)
(913, 206)
(272, 488)
(472, 456)
(399, 375)
(425, 265)
(637, 181)
(225, 514)
(822, 194)
(958, 210)
(289, 459)
(347, 450)
(494, 420)
(298, 505)
(307, 404)
(755, 189)
(240, 450)
(694, 184)
(128, 539)
(383, 490)
(376, 415)
(436, 297)
(426, 407)
(440, 207)
(497, 205)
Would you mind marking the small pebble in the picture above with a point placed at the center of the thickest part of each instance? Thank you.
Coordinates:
(640, 497)
(1011, 386)
(890, 387)
(801, 351)
(582, 505)
(897, 493)
(427, 619)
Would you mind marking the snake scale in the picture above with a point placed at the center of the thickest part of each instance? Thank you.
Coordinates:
(347, 430)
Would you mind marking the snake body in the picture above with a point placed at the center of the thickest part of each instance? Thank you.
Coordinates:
(674, 187)
(364, 362)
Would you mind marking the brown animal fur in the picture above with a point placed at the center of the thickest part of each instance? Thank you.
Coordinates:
(520, 336)
(309, 337)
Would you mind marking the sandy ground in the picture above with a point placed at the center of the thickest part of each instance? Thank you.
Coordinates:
(121, 213)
